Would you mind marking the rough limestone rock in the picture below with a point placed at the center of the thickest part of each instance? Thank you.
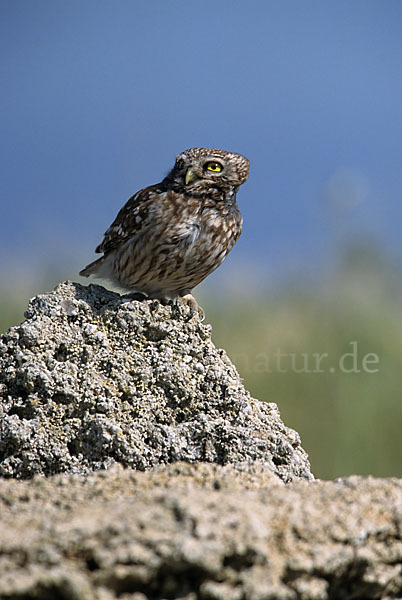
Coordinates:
(199, 532)
(92, 378)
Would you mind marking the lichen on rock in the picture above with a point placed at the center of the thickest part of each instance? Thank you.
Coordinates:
(92, 378)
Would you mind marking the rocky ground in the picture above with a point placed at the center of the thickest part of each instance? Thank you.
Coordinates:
(199, 532)
(91, 379)
(136, 466)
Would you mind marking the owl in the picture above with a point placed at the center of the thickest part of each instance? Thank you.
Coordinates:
(168, 237)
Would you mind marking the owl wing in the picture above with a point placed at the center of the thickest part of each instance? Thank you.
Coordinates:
(131, 219)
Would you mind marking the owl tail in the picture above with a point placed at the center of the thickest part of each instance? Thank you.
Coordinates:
(92, 268)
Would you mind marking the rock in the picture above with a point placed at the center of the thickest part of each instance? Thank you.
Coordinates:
(91, 379)
(199, 532)
(96, 384)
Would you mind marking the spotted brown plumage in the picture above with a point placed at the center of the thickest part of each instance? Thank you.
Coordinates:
(168, 237)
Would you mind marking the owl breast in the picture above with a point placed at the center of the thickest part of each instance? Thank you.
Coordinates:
(175, 254)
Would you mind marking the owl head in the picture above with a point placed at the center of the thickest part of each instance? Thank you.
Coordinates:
(199, 169)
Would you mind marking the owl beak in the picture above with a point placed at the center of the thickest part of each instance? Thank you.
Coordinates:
(190, 176)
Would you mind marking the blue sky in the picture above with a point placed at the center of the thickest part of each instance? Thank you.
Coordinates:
(98, 97)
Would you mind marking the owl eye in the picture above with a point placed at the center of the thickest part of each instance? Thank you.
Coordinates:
(213, 166)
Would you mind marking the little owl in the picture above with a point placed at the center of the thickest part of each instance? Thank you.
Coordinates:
(168, 237)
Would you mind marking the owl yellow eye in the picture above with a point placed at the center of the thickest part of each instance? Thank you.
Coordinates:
(213, 166)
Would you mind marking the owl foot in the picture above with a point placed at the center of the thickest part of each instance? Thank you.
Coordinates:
(154, 306)
(195, 308)
(176, 303)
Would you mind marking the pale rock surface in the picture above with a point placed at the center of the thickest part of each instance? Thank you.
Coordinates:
(91, 379)
(199, 532)
(136, 466)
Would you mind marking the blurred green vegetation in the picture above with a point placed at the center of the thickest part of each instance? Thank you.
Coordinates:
(349, 419)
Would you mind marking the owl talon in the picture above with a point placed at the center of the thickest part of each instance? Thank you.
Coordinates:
(195, 308)
(175, 308)
(153, 306)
